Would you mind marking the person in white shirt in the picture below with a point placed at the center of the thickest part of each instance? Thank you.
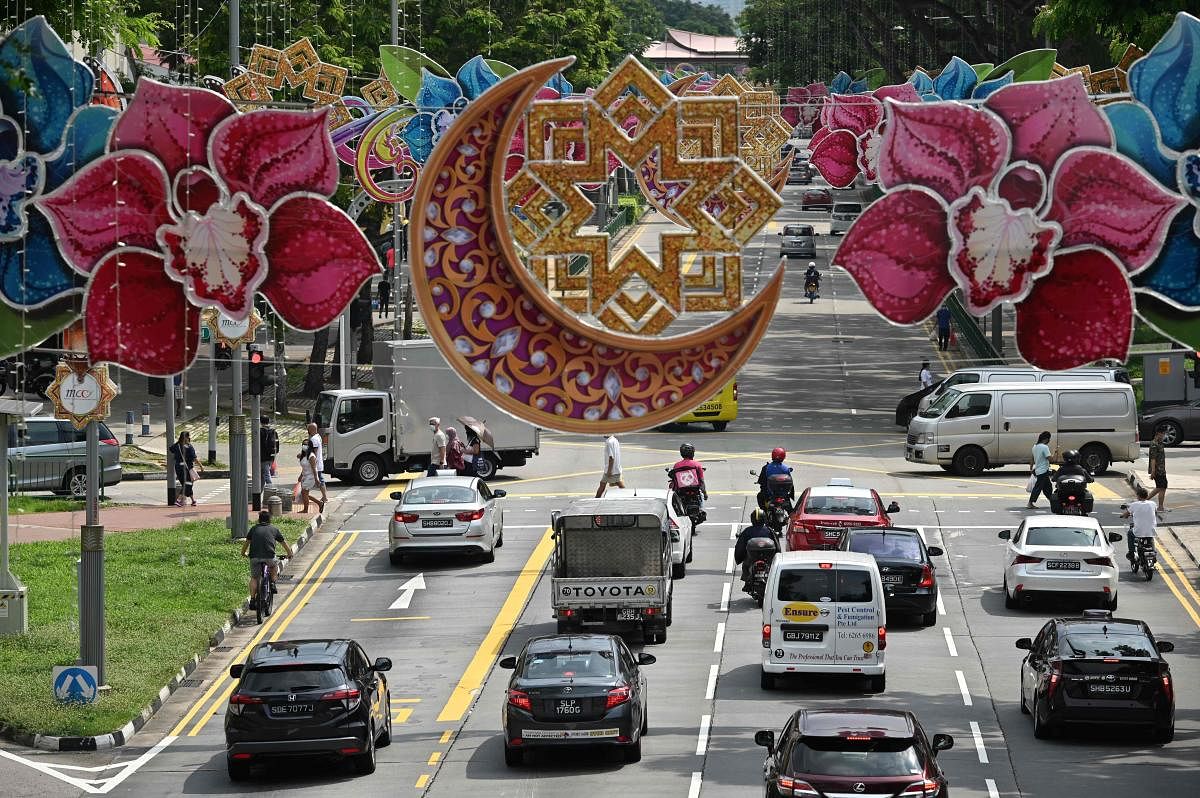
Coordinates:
(926, 375)
(612, 466)
(437, 448)
(1145, 519)
(318, 448)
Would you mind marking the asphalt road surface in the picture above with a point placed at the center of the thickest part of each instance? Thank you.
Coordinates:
(824, 384)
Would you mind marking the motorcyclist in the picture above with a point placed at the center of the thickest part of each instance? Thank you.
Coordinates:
(776, 466)
(758, 529)
(1071, 467)
(688, 472)
(812, 275)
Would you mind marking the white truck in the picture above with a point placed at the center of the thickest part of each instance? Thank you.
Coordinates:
(369, 434)
(612, 566)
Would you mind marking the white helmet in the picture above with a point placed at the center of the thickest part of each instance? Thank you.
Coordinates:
(812, 264)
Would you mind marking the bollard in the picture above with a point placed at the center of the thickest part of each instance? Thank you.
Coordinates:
(275, 505)
(128, 427)
(145, 419)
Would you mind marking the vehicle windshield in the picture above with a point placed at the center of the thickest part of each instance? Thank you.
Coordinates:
(893, 547)
(292, 678)
(1082, 644)
(440, 494)
(837, 756)
(840, 505)
(323, 414)
(941, 404)
(847, 207)
(1061, 536)
(797, 230)
(574, 664)
(824, 584)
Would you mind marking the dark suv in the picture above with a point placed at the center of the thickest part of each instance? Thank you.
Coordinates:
(306, 697)
(848, 751)
(1097, 670)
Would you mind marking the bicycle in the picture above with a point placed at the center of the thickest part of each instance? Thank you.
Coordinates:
(266, 593)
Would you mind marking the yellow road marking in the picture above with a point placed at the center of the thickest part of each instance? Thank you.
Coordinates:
(422, 780)
(402, 715)
(434, 758)
(279, 628)
(445, 737)
(208, 694)
(1187, 607)
(1178, 570)
(594, 472)
(481, 663)
(401, 618)
(395, 484)
(407, 700)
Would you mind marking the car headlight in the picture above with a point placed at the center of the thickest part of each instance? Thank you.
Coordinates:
(926, 437)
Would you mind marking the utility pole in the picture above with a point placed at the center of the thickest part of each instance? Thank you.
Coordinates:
(171, 442)
(235, 35)
(343, 351)
(212, 399)
(998, 330)
(14, 595)
(238, 526)
(91, 563)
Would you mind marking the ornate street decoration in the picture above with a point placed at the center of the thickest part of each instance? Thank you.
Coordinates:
(229, 331)
(81, 392)
(297, 66)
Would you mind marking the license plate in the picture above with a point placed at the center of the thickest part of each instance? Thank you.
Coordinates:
(1104, 688)
(437, 522)
(892, 579)
(804, 636)
(628, 615)
(831, 533)
(1062, 565)
(292, 709)
(568, 706)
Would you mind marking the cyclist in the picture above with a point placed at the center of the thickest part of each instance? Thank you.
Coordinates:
(260, 548)
(1145, 520)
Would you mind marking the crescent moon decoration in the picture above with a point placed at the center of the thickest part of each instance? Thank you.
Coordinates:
(500, 331)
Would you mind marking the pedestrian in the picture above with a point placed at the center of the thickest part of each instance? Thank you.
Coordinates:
(943, 328)
(1157, 469)
(472, 453)
(308, 478)
(926, 377)
(456, 453)
(437, 448)
(268, 447)
(612, 466)
(318, 451)
(385, 296)
(187, 467)
(1040, 460)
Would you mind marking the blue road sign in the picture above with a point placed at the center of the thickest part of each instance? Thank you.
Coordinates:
(75, 684)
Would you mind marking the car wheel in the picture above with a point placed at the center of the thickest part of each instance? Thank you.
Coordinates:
(368, 470)
(499, 540)
(1010, 602)
(1164, 734)
(364, 763)
(645, 720)
(1041, 729)
(690, 552)
(1172, 432)
(488, 557)
(970, 461)
(75, 483)
(720, 426)
(396, 557)
(678, 570)
(766, 681)
(238, 770)
(633, 753)
(486, 467)
(877, 684)
(929, 618)
(1021, 690)
(1111, 604)
(385, 739)
(1095, 458)
(513, 757)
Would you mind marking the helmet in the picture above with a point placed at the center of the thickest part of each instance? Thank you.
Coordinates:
(757, 517)
(778, 454)
(1071, 456)
(812, 264)
(687, 451)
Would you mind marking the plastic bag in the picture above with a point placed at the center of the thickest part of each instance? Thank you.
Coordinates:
(1031, 484)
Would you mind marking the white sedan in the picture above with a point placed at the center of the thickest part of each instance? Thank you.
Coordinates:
(681, 524)
(1060, 554)
(437, 515)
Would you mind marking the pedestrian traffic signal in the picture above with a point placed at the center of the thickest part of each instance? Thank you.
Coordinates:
(258, 380)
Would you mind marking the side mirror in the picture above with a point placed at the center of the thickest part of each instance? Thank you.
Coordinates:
(1005, 535)
(382, 664)
(508, 663)
(942, 742)
(779, 233)
(649, 659)
(893, 508)
(753, 472)
(1115, 537)
(499, 494)
(934, 551)
(1165, 646)
(766, 739)
(396, 495)
(235, 671)
(554, 514)
(1024, 643)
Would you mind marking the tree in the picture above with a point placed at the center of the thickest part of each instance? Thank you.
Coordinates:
(98, 24)
(640, 23)
(694, 17)
(1118, 22)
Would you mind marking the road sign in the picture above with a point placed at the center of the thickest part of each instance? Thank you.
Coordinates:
(80, 392)
(205, 334)
(406, 592)
(75, 684)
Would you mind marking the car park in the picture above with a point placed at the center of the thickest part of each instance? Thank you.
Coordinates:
(816, 199)
(439, 515)
(1094, 671)
(1060, 555)
(681, 524)
(843, 215)
(905, 567)
(823, 511)
(1178, 423)
(307, 698)
(845, 752)
(51, 455)
(573, 690)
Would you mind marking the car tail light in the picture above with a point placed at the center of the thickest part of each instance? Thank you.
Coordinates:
(1055, 679)
(650, 611)
(351, 696)
(350, 751)
(567, 613)
(470, 515)
(1104, 561)
(788, 785)
(110, 441)
(239, 700)
(882, 638)
(674, 530)
(616, 697)
(1168, 688)
(407, 518)
(766, 640)
(926, 577)
(241, 756)
(520, 700)
(926, 788)
(1025, 559)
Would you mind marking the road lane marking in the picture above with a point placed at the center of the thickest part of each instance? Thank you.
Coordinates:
(361, 531)
(446, 735)
(1179, 596)
(493, 643)
(402, 715)
(434, 758)
(962, 687)
(941, 608)
(399, 483)
(702, 739)
(1171, 561)
(950, 641)
(400, 618)
(979, 749)
(94, 786)
(733, 530)
(719, 640)
(694, 787)
(592, 473)
(422, 780)
(993, 791)
(407, 700)
(725, 589)
(729, 562)
(710, 689)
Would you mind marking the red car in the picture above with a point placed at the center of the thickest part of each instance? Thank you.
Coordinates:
(823, 511)
(816, 199)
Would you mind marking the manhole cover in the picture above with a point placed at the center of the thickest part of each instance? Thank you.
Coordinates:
(191, 682)
(223, 648)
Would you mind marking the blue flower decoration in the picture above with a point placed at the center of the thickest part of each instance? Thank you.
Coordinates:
(47, 132)
(1161, 132)
(440, 100)
(841, 83)
(957, 81)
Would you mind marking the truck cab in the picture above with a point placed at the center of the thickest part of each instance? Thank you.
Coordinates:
(356, 428)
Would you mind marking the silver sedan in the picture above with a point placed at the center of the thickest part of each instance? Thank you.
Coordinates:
(437, 515)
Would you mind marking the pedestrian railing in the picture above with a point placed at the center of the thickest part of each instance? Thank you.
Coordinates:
(969, 332)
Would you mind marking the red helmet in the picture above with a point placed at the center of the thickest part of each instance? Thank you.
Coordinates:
(778, 454)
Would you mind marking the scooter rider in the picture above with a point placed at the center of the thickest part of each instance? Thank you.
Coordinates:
(680, 478)
(1071, 467)
(776, 466)
(812, 274)
(758, 529)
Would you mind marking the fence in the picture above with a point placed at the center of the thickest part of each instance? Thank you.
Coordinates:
(968, 330)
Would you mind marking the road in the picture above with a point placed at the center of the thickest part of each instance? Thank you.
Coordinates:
(824, 384)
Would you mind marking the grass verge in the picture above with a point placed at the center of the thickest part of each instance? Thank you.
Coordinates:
(167, 591)
(22, 504)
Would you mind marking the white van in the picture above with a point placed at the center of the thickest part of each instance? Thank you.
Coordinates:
(843, 215)
(1021, 374)
(973, 427)
(823, 612)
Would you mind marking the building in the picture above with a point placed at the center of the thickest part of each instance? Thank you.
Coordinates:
(715, 54)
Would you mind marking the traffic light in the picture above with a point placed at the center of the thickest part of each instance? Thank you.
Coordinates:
(258, 380)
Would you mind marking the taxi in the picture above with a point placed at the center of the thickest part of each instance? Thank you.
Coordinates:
(823, 511)
(718, 411)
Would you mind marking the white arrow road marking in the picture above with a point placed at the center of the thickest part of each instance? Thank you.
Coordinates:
(95, 786)
(406, 592)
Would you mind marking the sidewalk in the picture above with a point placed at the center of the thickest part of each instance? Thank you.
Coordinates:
(1183, 520)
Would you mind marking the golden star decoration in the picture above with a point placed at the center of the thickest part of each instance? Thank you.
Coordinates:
(81, 393)
(723, 203)
(212, 318)
(298, 66)
(763, 128)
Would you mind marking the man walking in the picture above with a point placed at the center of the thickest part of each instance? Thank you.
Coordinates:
(318, 448)
(385, 296)
(268, 447)
(612, 466)
(1157, 470)
(943, 328)
(1041, 471)
(437, 449)
(926, 376)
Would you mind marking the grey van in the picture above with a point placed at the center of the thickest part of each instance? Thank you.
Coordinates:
(51, 454)
(1021, 374)
(799, 241)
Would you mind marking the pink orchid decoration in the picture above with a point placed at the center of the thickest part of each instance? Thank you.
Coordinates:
(197, 206)
(802, 105)
(1021, 201)
(848, 142)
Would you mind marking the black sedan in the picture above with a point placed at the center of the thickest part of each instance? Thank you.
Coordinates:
(1096, 670)
(575, 690)
(849, 751)
(1178, 423)
(305, 698)
(908, 574)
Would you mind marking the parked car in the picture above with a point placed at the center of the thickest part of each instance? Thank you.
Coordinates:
(681, 523)
(979, 374)
(1097, 670)
(844, 214)
(436, 515)
(823, 511)
(907, 407)
(1060, 554)
(816, 199)
(51, 455)
(1177, 422)
(307, 698)
(797, 241)
(905, 567)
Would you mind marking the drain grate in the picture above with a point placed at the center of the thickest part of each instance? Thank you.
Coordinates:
(191, 682)
(223, 648)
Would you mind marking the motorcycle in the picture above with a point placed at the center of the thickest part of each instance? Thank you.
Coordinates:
(1145, 558)
(1072, 496)
(779, 491)
(686, 484)
(811, 288)
(759, 554)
